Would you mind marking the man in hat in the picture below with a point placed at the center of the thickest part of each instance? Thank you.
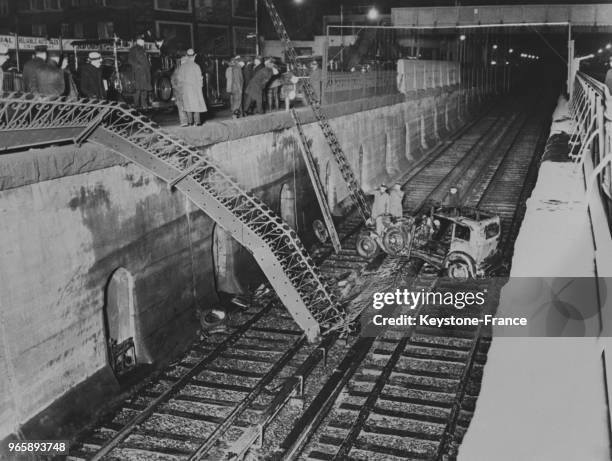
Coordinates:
(256, 86)
(4, 56)
(235, 83)
(190, 82)
(32, 68)
(177, 90)
(316, 78)
(91, 77)
(51, 77)
(380, 208)
(141, 68)
(396, 196)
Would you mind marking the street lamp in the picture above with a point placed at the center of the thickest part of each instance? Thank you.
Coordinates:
(373, 13)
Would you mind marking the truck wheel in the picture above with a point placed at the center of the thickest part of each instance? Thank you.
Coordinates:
(459, 270)
(163, 88)
(366, 246)
(394, 241)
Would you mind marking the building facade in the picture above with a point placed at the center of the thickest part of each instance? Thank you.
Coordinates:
(212, 27)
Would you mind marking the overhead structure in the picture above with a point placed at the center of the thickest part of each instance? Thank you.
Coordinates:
(583, 16)
(346, 170)
(27, 121)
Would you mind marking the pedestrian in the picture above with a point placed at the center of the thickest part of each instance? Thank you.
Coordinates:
(235, 85)
(289, 88)
(190, 81)
(91, 77)
(247, 73)
(70, 89)
(396, 196)
(255, 88)
(141, 68)
(4, 56)
(316, 79)
(50, 77)
(608, 80)
(258, 63)
(177, 88)
(30, 69)
(273, 91)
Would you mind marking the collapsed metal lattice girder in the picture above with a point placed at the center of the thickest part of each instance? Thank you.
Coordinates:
(274, 245)
(346, 170)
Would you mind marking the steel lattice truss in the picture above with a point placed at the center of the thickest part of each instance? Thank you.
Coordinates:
(345, 167)
(275, 246)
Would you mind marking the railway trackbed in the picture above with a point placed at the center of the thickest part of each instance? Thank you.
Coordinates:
(260, 388)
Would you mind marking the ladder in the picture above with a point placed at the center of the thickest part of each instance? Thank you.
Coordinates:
(318, 187)
(353, 186)
(274, 245)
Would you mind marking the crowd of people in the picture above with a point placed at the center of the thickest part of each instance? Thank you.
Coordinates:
(253, 86)
(256, 86)
(48, 73)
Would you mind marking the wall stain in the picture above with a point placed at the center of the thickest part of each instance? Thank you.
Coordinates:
(137, 182)
(94, 198)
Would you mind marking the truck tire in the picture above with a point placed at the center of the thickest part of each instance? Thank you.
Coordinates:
(366, 246)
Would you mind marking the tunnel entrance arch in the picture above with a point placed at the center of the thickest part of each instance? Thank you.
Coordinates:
(125, 350)
(288, 205)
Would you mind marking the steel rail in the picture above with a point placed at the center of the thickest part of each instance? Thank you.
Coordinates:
(359, 422)
(297, 438)
(129, 427)
(452, 421)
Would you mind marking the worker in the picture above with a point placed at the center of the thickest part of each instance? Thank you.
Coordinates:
(91, 77)
(191, 81)
(452, 200)
(32, 67)
(380, 208)
(141, 68)
(396, 196)
(235, 85)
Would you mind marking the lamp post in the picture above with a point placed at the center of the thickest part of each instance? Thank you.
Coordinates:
(256, 29)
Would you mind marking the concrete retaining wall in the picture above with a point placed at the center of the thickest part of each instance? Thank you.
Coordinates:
(71, 216)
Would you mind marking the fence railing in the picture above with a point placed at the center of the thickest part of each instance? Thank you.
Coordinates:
(421, 75)
(346, 86)
(591, 139)
(410, 75)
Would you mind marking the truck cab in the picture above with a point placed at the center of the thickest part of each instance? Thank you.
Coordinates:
(474, 238)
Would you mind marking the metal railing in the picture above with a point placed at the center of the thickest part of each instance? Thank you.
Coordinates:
(346, 86)
(591, 139)
(411, 75)
(421, 75)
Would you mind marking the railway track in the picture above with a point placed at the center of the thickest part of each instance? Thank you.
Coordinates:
(216, 402)
(411, 393)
